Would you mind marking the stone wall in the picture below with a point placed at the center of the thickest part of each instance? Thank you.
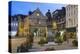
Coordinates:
(15, 42)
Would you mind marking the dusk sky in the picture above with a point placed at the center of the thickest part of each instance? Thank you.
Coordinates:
(19, 7)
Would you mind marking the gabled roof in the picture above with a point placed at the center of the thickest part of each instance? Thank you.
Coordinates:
(34, 15)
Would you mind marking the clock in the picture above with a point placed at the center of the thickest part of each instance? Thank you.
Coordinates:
(37, 14)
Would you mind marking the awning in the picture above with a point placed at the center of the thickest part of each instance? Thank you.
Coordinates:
(71, 29)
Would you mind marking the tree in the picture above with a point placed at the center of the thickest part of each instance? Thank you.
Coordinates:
(58, 38)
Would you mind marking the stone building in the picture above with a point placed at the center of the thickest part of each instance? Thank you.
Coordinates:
(38, 25)
(72, 20)
(71, 16)
(59, 18)
(34, 23)
(13, 25)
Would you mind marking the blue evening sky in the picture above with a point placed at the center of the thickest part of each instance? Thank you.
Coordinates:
(19, 7)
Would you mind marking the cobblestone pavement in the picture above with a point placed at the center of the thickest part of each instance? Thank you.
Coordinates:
(65, 45)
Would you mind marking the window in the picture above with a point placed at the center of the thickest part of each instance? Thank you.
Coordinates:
(74, 11)
(69, 14)
(39, 22)
(37, 14)
(74, 21)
